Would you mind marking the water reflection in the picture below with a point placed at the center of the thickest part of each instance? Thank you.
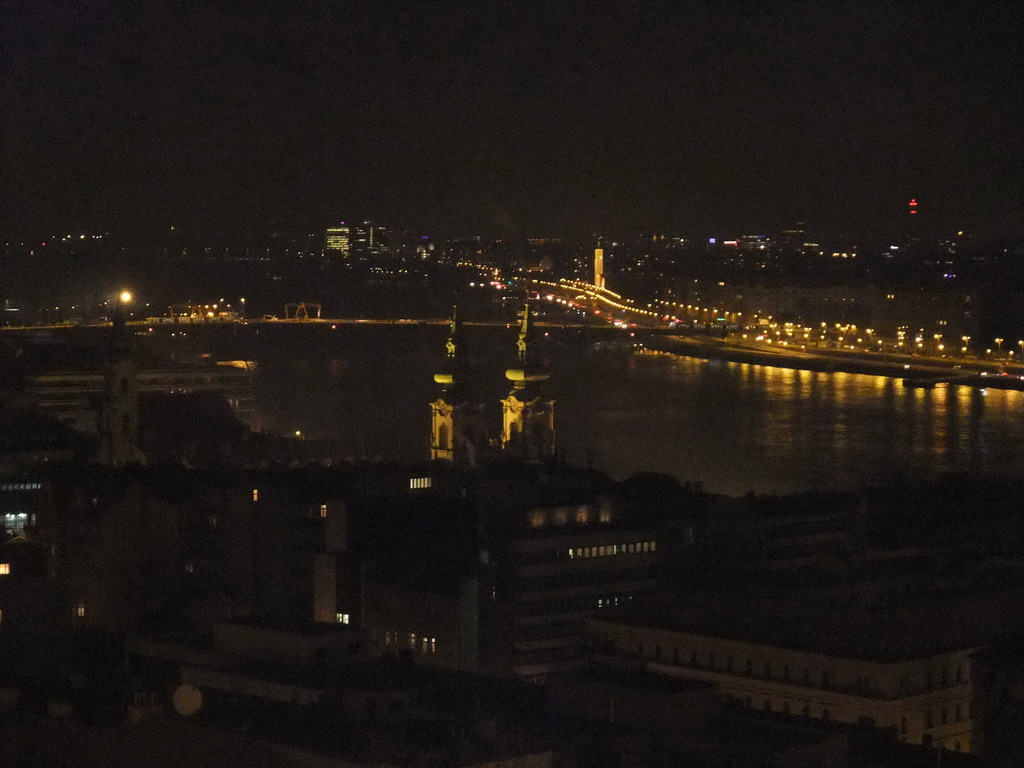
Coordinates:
(733, 426)
(738, 427)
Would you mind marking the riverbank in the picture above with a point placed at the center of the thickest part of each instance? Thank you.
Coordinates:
(915, 372)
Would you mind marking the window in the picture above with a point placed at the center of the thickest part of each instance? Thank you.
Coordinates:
(387, 638)
(433, 646)
(582, 516)
(536, 519)
(1, 616)
(342, 618)
(5, 569)
(14, 523)
(412, 640)
(255, 494)
(323, 510)
(80, 610)
(418, 483)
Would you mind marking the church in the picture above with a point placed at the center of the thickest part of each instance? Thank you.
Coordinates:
(458, 427)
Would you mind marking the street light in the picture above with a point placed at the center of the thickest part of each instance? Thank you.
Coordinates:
(125, 297)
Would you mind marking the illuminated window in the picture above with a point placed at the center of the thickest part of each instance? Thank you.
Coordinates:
(416, 483)
(654, 546)
(387, 638)
(582, 515)
(323, 510)
(1, 616)
(342, 618)
(5, 568)
(80, 610)
(412, 639)
(537, 519)
(425, 645)
(15, 522)
(433, 645)
(255, 494)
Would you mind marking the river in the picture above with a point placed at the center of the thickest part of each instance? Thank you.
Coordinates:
(734, 427)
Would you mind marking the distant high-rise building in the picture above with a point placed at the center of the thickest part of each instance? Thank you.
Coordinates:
(368, 239)
(337, 240)
(599, 266)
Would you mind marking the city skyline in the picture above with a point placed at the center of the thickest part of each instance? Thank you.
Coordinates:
(510, 122)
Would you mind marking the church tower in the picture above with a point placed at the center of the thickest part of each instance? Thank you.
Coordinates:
(119, 409)
(456, 428)
(528, 417)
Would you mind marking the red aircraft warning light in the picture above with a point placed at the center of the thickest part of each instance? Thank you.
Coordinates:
(912, 206)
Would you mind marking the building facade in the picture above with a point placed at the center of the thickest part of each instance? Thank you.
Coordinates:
(924, 700)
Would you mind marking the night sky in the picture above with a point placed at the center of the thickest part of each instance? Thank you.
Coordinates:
(511, 118)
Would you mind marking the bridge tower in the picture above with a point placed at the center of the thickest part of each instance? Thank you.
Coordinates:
(599, 265)
(528, 417)
(456, 426)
